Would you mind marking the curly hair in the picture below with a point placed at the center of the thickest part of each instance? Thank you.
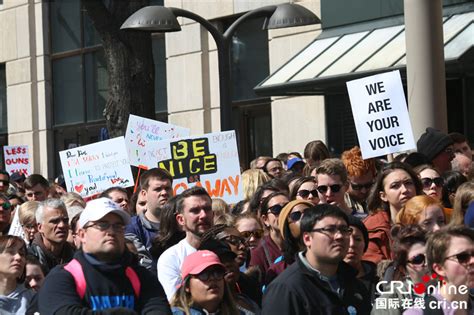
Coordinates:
(355, 165)
(404, 238)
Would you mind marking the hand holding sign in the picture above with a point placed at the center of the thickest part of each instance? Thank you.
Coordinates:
(380, 114)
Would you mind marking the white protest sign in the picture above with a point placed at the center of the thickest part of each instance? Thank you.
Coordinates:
(142, 135)
(17, 159)
(15, 226)
(210, 161)
(380, 114)
(93, 168)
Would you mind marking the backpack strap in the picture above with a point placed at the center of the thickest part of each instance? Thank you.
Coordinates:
(134, 280)
(75, 269)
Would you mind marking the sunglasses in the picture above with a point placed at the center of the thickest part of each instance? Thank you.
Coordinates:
(427, 182)
(6, 206)
(276, 209)
(235, 240)
(334, 188)
(296, 216)
(248, 234)
(463, 258)
(214, 274)
(418, 259)
(361, 186)
(304, 193)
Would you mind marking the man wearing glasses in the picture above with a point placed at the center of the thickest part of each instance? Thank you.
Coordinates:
(4, 181)
(438, 149)
(50, 245)
(361, 175)
(319, 282)
(5, 214)
(103, 277)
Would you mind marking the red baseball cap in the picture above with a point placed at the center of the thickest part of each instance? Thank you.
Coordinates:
(198, 261)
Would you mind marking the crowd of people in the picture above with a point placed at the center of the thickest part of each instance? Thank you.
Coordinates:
(313, 234)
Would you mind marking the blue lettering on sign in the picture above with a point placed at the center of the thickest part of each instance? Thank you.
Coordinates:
(105, 302)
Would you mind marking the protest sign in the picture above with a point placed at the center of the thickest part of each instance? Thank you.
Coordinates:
(15, 226)
(210, 161)
(142, 135)
(380, 114)
(17, 159)
(92, 168)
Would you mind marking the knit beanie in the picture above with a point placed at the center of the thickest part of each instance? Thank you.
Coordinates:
(432, 143)
(285, 212)
(355, 222)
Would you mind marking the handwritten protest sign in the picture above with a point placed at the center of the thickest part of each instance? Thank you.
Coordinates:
(142, 134)
(15, 226)
(17, 159)
(92, 168)
(380, 114)
(210, 161)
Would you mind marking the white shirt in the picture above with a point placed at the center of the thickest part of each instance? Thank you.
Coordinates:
(169, 266)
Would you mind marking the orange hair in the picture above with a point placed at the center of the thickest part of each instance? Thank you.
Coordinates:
(354, 163)
(414, 208)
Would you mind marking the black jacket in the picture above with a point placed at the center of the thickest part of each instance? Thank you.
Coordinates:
(300, 290)
(108, 290)
(47, 258)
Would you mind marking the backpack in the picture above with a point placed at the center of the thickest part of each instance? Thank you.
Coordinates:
(74, 267)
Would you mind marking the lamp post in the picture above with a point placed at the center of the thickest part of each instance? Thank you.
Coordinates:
(163, 19)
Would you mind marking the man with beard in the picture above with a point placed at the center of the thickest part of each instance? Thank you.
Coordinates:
(50, 245)
(319, 281)
(103, 278)
(195, 216)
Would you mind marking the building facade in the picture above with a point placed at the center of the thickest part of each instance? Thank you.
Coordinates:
(53, 79)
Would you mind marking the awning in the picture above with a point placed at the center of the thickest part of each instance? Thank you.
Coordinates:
(329, 59)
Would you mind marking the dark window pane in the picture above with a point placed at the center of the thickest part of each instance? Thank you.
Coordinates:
(68, 91)
(91, 36)
(97, 85)
(249, 59)
(3, 101)
(159, 58)
(65, 25)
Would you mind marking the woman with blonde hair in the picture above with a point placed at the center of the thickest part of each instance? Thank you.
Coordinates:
(203, 289)
(73, 199)
(251, 180)
(424, 211)
(27, 219)
(464, 196)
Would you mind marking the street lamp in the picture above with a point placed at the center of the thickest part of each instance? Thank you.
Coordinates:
(163, 19)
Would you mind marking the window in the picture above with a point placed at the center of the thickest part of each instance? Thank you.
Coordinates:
(3, 100)
(80, 76)
(251, 114)
(3, 111)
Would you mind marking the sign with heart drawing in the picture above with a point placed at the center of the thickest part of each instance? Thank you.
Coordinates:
(91, 169)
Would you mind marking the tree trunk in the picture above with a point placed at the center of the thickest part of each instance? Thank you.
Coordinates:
(129, 61)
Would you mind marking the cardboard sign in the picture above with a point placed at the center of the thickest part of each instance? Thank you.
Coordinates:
(142, 135)
(210, 161)
(15, 226)
(93, 168)
(17, 159)
(380, 114)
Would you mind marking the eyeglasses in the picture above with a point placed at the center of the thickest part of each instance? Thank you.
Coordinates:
(296, 216)
(276, 209)
(214, 274)
(235, 240)
(333, 229)
(367, 186)
(6, 206)
(462, 258)
(248, 234)
(427, 182)
(418, 259)
(104, 226)
(29, 226)
(304, 193)
(334, 188)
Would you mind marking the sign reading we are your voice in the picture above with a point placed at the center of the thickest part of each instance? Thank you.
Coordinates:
(380, 114)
